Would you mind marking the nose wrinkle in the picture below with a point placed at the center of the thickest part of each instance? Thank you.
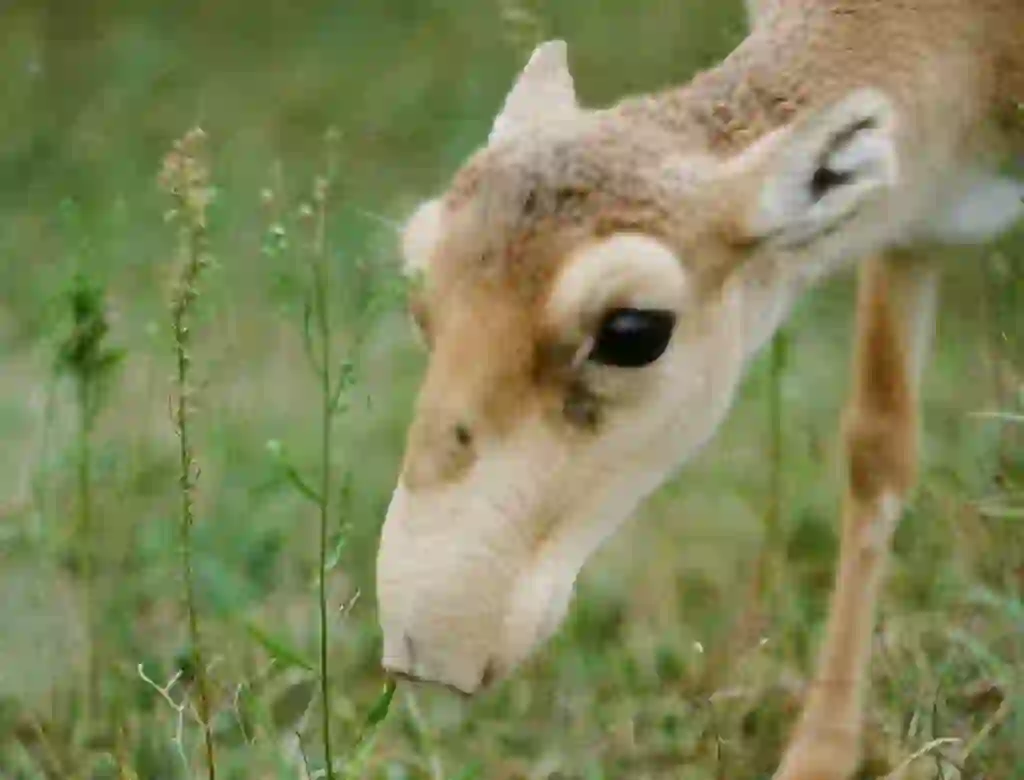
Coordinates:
(409, 672)
(417, 680)
(415, 669)
(403, 662)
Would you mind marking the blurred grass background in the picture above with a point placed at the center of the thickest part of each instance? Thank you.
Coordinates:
(674, 661)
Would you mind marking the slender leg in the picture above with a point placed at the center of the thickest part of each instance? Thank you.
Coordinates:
(895, 310)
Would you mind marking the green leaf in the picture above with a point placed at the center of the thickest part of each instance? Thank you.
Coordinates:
(291, 704)
(380, 709)
(277, 452)
(1004, 416)
(301, 485)
(1004, 604)
(278, 648)
(364, 742)
(1000, 511)
(335, 557)
(346, 379)
(307, 335)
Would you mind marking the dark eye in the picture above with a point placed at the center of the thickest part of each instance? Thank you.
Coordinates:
(630, 338)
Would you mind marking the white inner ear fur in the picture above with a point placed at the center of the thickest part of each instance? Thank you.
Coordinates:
(626, 269)
(543, 92)
(420, 236)
(983, 207)
(853, 141)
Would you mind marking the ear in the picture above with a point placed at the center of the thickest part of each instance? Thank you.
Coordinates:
(420, 235)
(419, 240)
(810, 178)
(981, 209)
(544, 91)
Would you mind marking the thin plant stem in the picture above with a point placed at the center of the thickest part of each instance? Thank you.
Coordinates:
(186, 179)
(320, 288)
(772, 558)
(87, 547)
(763, 587)
(187, 481)
(85, 356)
(323, 489)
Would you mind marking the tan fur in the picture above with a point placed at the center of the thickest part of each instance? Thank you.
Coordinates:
(838, 130)
(881, 452)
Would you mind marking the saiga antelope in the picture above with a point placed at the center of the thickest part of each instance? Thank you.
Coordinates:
(594, 281)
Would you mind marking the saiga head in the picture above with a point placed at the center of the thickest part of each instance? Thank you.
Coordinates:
(589, 292)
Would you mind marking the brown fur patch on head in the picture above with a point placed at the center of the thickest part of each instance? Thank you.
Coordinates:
(517, 208)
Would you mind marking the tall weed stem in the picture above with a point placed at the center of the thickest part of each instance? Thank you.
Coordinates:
(772, 556)
(89, 362)
(186, 178)
(334, 383)
(321, 283)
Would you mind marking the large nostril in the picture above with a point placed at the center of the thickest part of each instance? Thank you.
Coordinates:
(490, 673)
(463, 435)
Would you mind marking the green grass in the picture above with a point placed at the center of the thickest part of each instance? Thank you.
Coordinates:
(630, 686)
